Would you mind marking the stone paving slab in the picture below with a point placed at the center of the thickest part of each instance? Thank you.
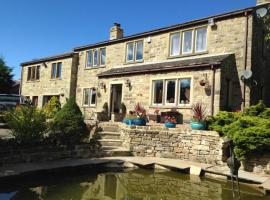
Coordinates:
(266, 185)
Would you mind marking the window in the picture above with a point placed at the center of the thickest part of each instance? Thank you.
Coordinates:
(175, 44)
(35, 101)
(33, 73)
(177, 92)
(95, 57)
(157, 91)
(89, 97)
(184, 93)
(134, 51)
(56, 70)
(201, 36)
(102, 56)
(170, 91)
(187, 41)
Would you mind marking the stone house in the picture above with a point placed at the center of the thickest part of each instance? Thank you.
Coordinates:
(206, 61)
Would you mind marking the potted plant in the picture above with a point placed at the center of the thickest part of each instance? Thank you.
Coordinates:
(198, 121)
(170, 122)
(141, 115)
(129, 119)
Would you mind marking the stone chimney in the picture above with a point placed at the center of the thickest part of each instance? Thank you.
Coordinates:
(262, 1)
(116, 32)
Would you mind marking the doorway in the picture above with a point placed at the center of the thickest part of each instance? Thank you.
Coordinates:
(116, 98)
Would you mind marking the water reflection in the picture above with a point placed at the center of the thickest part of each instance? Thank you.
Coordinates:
(134, 185)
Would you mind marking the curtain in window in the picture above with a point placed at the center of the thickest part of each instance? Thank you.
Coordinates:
(187, 42)
(184, 91)
(175, 44)
(201, 39)
(139, 51)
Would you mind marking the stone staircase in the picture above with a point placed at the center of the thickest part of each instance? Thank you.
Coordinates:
(111, 143)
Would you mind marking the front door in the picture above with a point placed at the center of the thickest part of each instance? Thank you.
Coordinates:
(116, 98)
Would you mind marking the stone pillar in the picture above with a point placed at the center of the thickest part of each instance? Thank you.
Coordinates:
(262, 1)
(116, 32)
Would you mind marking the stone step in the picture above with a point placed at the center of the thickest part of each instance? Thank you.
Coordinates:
(111, 142)
(111, 128)
(110, 151)
(109, 135)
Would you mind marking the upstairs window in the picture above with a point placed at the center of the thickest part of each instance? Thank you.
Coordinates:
(188, 42)
(95, 57)
(56, 70)
(134, 51)
(89, 97)
(201, 36)
(33, 73)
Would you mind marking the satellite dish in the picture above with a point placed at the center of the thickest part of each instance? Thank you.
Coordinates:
(246, 74)
(261, 12)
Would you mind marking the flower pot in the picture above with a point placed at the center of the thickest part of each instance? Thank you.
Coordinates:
(139, 122)
(195, 125)
(170, 125)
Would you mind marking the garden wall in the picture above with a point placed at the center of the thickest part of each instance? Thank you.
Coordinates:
(180, 143)
(12, 154)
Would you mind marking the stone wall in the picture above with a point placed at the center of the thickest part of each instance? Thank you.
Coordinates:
(258, 164)
(12, 154)
(154, 141)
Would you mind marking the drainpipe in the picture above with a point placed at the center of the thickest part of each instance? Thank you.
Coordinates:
(213, 89)
(20, 88)
(245, 58)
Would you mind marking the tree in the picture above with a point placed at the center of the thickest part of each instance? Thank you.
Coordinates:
(5, 77)
(52, 107)
(266, 21)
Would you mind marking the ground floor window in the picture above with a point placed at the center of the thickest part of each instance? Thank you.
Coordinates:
(89, 96)
(177, 91)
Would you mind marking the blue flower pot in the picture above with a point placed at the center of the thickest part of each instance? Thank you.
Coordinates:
(139, 122)
(198, 125)
(170, 125)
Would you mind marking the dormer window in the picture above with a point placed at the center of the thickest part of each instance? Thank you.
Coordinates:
(188, 42)
(134, 51)
(95, 58)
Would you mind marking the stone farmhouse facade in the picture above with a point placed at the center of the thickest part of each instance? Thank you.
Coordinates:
(201, 61)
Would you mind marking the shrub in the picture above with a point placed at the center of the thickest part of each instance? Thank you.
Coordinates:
(68, 126)
(52, 107)
(27, 124)
(250, 130)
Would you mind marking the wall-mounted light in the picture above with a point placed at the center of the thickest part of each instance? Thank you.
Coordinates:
(127, 83)
(102, 85)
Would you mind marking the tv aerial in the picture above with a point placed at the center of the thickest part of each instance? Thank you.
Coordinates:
(261, 12)
(245, 74)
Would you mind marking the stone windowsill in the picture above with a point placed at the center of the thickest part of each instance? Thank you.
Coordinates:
(96, 67)
(188, 55)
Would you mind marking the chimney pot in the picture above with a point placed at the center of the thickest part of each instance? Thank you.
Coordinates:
(259, 2)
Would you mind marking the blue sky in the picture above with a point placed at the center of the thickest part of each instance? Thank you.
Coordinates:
(32, 29)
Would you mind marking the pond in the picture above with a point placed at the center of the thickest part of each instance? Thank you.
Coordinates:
(129, 185)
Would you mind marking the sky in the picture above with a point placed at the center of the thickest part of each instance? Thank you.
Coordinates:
(31, 29)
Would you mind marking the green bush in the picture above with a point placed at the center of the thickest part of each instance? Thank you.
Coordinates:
(68, 125)
(27, 124)
(249, 130)
(52, 107)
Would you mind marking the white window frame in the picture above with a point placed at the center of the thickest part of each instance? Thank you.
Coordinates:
(153, 92)
(192, 42)
(89, 104)
(100, 56)
(180, 46)
(134, 51)
(87, 56)
(195, 39)
(179, 88)
(175, 92)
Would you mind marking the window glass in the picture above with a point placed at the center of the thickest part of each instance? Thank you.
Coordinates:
(86, 96)
(59, 70)
(130, 47)
(95, 57)
(158, 91)
(29, 73)
(139, 50)
(33, 73)
(184, 93)
(175, 44)
(53, 70)
(93, 97)
(89, 58)
(102, 56)
(38, 72)
(201, 35)
(187, 41)
(170, 92)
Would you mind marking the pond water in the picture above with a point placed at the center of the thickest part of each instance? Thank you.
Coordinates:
(130, 185)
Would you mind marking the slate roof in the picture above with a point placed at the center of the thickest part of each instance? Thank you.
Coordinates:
(166, 66)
